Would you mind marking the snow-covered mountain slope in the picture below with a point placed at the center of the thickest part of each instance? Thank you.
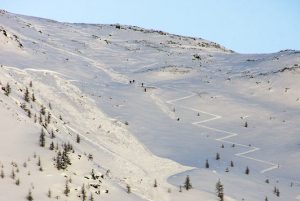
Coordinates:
(146, 105)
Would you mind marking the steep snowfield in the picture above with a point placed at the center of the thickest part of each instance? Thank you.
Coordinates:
(147, 105)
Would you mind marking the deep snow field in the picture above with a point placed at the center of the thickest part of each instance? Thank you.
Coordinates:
(147, 105)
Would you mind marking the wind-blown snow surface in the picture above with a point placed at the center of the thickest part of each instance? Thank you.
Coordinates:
(189, 96)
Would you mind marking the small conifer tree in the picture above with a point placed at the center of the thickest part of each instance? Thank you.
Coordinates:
(52, 134)
(2, 175)
(58, 161)
(49, 194)
(51, 146)
(83, 193)
(155, 183)
(7, 89)
(49, 118)
(217, 156)
(43, 110)
(39, 163)
(17, 182)
(42, 138)
(26, 95)
(13, 174)
(128, 189)
(33, 97)
(78, 139)
(35, 118)
(91, 197)
(29, 197)
(187, 184)
(29, 113)
(220, 191)
(67, 189)
(206, 164)
(277, 193)
(247, 171)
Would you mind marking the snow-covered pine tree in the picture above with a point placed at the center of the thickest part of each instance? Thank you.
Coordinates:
(29, 113)
(91, 197)
(220, 191)
(29, 197)
(58, 160)
(78, 139)
(13, 174)
(33, 97)
(93, 174)
(42, 138)
(43, 110)
(51, 147)
(52, 134)
(26, 95)
(67, 189)
(155, 183)
(39, 163)
(35, 118)
(65, 157)
(49, 117)
(83, 193)
(277, 193)
(247, 171)
(17, 182)
(206, 164)
(217, 156)
(49, 193)
(7, 89)
(187, 184)
(2, 175)
(128, 188)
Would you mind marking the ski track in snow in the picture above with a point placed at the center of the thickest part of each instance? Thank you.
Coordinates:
(228, 136)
